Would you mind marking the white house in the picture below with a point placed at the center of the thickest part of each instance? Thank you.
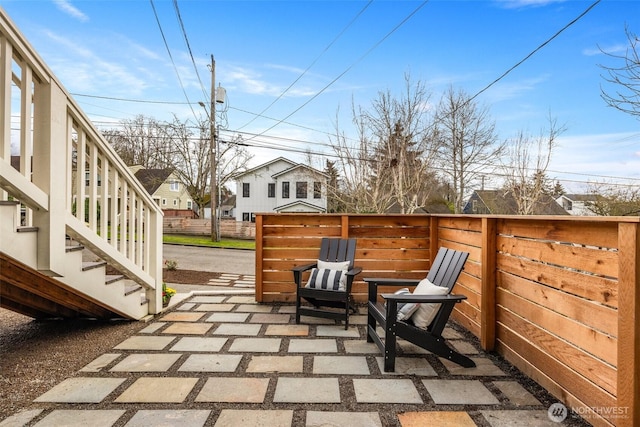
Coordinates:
(280, 185)
(577, 204)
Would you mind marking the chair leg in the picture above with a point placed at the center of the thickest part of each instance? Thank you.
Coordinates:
(389, 350)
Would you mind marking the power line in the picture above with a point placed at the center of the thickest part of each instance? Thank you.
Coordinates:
(166, 45)
(393, 30)
(310, 65)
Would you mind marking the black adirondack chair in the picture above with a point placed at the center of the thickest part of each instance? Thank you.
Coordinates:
(328, 303)
(445, 270)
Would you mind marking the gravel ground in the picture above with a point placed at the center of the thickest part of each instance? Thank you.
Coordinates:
(35, 355)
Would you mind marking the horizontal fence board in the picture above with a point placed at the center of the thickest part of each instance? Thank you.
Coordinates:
(574, 358)
(595, 316)
(383, 232)
(301, 220)
(367, 242)
(581, 387)
(463, 237)
(593, 233)
(597, 289)
(329, 231)
(460, 222)
(394, 221)
(590, 260)
(600, 345)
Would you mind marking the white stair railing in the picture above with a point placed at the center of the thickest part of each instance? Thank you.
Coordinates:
(68, 178)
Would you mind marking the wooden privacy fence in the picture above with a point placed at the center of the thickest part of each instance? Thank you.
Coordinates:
(556, 296)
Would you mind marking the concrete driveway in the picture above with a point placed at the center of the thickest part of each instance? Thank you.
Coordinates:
(218, 260)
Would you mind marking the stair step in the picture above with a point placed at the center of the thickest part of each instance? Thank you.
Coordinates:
(26, 229)
(91, 265)
(9, 202)
(74, 248)
(112, 278)
(132, 288)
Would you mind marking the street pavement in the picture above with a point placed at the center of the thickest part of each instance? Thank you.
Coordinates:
(237, 261)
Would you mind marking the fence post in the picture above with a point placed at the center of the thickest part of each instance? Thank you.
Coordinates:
(433, 238)
(488, 296)
(628, 387)
(259, 255)
(344, 227)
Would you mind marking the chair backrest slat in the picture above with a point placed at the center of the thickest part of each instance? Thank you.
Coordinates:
(337, 250)
(446, 267)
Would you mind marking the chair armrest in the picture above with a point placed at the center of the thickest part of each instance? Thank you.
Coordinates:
(354, 271)
(385, 281)
(297, 271)
(394, 298)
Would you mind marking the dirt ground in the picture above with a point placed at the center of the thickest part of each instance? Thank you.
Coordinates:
(35, 355)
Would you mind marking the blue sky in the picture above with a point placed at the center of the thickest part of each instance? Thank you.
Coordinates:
(115, 49)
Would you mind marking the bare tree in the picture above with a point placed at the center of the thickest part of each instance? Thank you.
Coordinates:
(625, 77)
(141, 141)
(467, 141)
(528, 159)
(390, 161)
(614, 200)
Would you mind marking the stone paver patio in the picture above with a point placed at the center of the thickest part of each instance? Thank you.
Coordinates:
(223, 360)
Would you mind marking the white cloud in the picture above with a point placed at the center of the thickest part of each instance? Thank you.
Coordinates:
(71, 10)
(516, 4)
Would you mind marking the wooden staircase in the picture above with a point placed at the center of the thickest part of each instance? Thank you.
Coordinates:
(79, 235)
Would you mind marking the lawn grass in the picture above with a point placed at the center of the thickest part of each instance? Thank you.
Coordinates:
(206, 241)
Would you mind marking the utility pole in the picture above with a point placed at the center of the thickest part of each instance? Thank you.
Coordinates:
(212, 153)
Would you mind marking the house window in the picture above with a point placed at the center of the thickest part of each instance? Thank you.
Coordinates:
(87, 180)
(253, 217)
(164, 202)
(245, 189)
(474, 206)
(174, 186)
(317, 190)
(301, 190)
(245, 216)
(271, 189)
(175, 202)
(189, 205)
(285, 190)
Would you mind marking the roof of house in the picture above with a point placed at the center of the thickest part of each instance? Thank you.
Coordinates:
(499, 202)
(300, 203)
(270, 162)
(582, 197)
(299, 166)
(152, 179)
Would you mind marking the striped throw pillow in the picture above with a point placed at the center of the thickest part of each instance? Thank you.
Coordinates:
(323, 278)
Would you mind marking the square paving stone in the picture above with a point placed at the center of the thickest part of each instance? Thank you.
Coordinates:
(234, 390)
(178, 316)
(173, 418)
(187, 328)
(238, 299)
(435, 419)
(336, 331)
(275, 364)
(228, 317)
(287, 309)
(207, 299)
(270, 318)
(20, 419)
(288, 330)
(208, 344)
(464, 347)
(350, 419)
(459, 392)
(237, 329)
(301, 345)
(157, 390)
(484, 367)
(81, 390)
(78, 418)
(211, 363)
(307, 390)
(256, 345)
(409, 366)
(254, 308)
(386, 391)
(360, 346)
(516, 394)
(144, 362)
(142, 342)
(246, 418)
(215, 307)
(340, 365)
(186, 306)
(519, 418)
(155, 326)
(100, 362)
